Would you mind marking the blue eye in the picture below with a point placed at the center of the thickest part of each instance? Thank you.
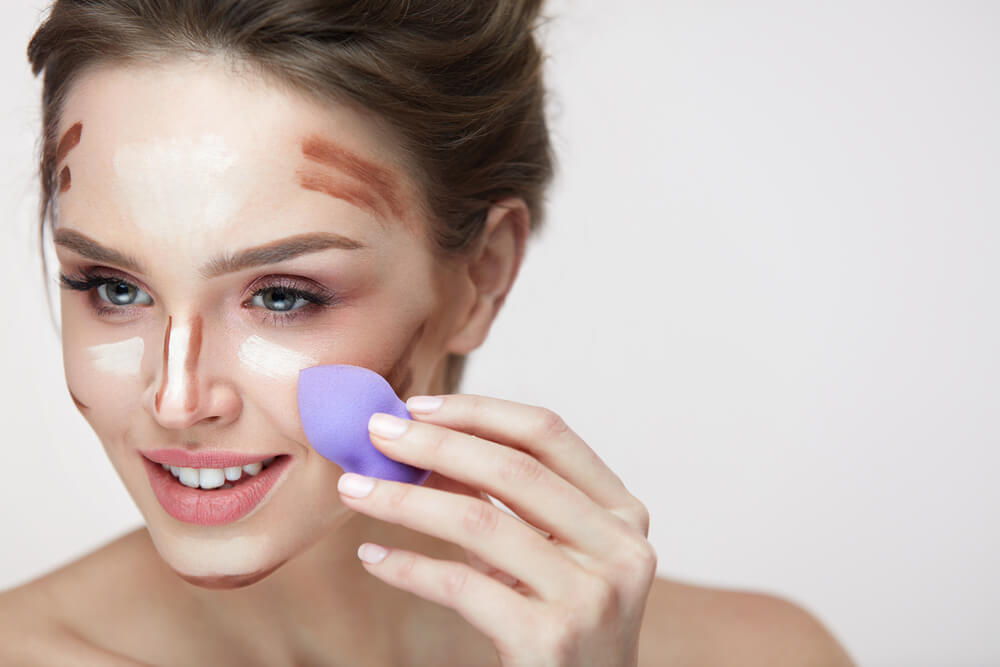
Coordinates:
(281, 299)
(121, 293)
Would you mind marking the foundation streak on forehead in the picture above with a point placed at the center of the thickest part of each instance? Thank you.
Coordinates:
(70, 139)
(380, 193)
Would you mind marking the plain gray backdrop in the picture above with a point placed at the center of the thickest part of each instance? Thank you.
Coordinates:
(767, 297)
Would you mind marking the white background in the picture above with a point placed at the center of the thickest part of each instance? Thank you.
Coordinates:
(766, 297)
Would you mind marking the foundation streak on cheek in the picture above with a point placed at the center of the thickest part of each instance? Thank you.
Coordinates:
(122, 358)
(271, 360)
(400, 376)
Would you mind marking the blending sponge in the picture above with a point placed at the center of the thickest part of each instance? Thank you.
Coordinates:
(335, 403)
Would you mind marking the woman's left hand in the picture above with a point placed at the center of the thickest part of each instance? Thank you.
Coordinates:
(565, 586)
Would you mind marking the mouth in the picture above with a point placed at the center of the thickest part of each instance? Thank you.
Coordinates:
(208, 479)
(214, 496)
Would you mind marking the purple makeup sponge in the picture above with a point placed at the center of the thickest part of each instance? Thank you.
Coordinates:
(335, 404)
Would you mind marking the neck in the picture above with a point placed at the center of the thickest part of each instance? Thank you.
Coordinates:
(324, 605)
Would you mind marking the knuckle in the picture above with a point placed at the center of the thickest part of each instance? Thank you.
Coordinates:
(455, 581)
(396, 498)
(520, 467)
(550, 424)
(437, 441)
(601, 597)
(405, 568)
(480, 518)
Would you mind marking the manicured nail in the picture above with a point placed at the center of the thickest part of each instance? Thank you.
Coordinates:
(372, 553)
(355, 486)
(387, 426)
(423, 403)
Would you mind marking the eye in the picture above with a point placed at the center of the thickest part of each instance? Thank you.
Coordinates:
(121, 293)
(281, 299)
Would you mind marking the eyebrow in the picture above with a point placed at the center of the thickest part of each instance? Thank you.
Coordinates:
(382, 181)
(268, 253)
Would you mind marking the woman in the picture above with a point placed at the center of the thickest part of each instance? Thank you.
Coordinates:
(238, 190)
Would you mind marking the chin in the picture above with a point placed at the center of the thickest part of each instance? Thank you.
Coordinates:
(227, 581)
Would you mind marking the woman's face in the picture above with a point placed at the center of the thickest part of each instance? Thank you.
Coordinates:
(221, 234)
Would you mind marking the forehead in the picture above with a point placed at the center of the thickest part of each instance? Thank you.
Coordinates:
(201, 123)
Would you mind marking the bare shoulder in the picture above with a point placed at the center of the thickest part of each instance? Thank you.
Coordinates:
(41, 621)
(687, 624)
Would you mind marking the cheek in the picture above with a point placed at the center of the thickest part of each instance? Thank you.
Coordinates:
(106, 373)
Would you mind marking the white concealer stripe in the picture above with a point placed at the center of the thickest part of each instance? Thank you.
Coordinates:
(121, 358)
(177, 351)
(266, 358)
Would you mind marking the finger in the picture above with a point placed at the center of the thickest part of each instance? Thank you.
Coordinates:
(544, 435)
(519, 480)
(499, 612)
(473, 524)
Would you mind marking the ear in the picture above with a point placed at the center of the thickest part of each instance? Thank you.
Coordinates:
(490, 271)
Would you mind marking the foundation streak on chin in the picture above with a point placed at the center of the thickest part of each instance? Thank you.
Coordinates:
(379, 180)
(70, 139)
(230, 581)
(400, 376)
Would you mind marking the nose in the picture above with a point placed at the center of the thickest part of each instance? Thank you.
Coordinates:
(183, 393)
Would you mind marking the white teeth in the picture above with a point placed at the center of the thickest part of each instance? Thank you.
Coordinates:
(252, 468)
(211, 478)
(214, 478)
(190, 477)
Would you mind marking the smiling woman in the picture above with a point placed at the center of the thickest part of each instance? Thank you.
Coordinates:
(240, 190)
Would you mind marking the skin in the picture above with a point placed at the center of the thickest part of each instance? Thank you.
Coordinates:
(178, 168)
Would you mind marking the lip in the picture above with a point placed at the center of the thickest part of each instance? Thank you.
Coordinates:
(183, 458)
(214, 507)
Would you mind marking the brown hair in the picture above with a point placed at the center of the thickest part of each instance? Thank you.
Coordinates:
(459, 82)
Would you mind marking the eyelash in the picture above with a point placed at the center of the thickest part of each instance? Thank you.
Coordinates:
(88, 280)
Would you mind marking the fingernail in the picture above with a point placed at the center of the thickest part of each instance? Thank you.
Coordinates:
(387, 426)
(372, 553)
(355, 486)
(423, 403)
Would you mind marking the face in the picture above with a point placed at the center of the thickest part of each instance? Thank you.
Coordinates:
(217, 234)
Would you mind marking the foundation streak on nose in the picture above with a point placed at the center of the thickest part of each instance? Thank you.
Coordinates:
(400, 376)
(181, 350)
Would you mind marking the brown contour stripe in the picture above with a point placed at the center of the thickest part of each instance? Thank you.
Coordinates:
(191, 364)
(400, 376)
(381, 180)
(77, 402)
(65, 179)
(166, 355)
(358, 196)
(69, 141)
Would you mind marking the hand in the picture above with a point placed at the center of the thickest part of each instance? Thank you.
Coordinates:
(567, 585)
